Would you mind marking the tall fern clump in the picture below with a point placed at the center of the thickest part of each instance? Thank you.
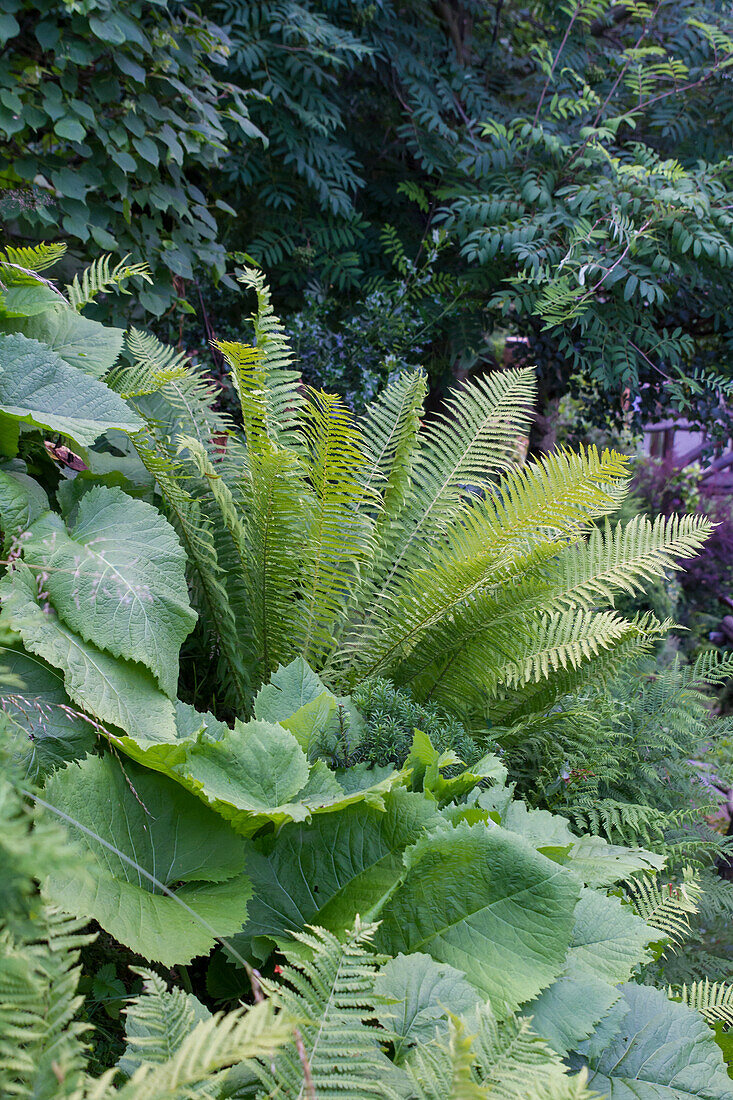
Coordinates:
(392, 546)
(356, 602)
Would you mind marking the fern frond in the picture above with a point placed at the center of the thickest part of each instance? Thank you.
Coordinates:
(665, 905)
(619, 822)
(284, 387)
(41, 1043)
(100, 278)
(158, 1022)
(154, 365)
(484, 1058)
(339, 539)
(214, 1045)
(33, 257)
(330, 995)
(389, 430)
(194, 531)
(482, 566)
(460, 451)
(713, 1000)
(625, 558)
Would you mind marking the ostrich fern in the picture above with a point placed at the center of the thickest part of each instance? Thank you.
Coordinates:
(393, 546)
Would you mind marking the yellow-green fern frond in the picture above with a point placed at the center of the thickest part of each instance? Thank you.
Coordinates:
(625, 558)
(154, 364)
(559, 494)
(101, 277)
(339, 538)
(284, 386)
(389, 429)
(713, 1000)
(36, 257)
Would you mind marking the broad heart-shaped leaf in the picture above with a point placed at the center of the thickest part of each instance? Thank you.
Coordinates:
(660, 1051)
(79, 341)
(32, 696)
(599, 863)
(482, 900)
(566, 1013)
(169, 834)
(331, 869)
(118, 693)
(258, 768)
(609, 939)
(290, 688)
(117, 579)
(22, 500)
(38, 387)
(413, 996)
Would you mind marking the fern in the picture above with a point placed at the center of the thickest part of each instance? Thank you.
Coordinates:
(330, 996)
(154, 366)
(713, 1000)
(665, 905)
(101, 277)
(41, 1043)
(485, 1058)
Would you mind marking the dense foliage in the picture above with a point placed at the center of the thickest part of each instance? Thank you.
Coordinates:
(574, 156)
(112, 118)
(288, 710)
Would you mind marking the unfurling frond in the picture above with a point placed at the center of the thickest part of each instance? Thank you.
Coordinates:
(713, 1000)
(100, 278)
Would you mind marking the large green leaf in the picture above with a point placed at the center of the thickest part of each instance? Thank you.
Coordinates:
(483, 901)
(119, 693)
(290, 688)
(566, 1013)
(609, 939)
(118, 579)
(49, 732)
(92, 347)
(609, 942)
(660, 1050)
(414, 996)
(22, 500)
(591, 858)
(167, 833)
(38, 387)
(258, 768)
(331, 869)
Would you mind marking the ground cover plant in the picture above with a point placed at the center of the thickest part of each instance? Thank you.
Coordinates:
(268, 693)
